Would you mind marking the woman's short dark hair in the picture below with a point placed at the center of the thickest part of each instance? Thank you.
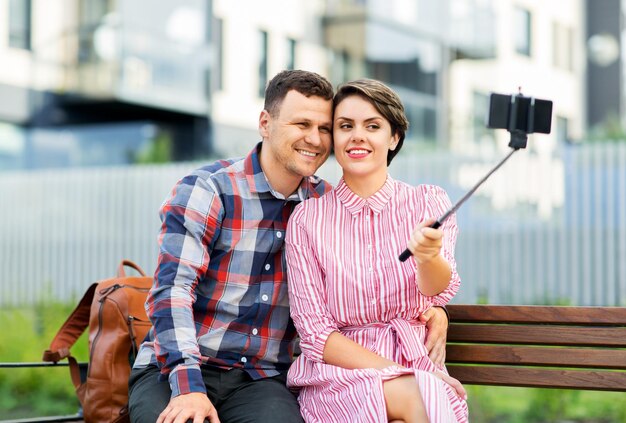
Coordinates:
(384, 100)
(305, 82)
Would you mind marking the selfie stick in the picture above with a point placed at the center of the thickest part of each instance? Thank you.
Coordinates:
(520, 116)
(406, 253)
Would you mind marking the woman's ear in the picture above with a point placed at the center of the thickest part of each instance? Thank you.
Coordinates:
(394, 142)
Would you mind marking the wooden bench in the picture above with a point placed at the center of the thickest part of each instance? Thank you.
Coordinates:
(528, 346)
(538, 346)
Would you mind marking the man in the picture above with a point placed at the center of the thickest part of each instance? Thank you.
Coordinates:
(222, 335)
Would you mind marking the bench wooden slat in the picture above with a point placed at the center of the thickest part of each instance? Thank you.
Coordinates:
(538, 314)
(538, 346)
(537, 356)
(542, 378)
(538, 334)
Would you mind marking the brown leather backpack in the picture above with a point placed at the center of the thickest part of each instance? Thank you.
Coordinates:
(114, 311)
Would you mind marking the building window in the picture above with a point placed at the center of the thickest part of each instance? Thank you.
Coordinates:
(218, 46)
(480, 133)
(20, 24)
(522, 27)
(562, 46)
(417, 64)
(423, 118)
(291, 54)
(263, 72)
(562, 133)
(340, 66)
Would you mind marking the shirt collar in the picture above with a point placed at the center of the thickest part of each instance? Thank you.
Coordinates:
(376, 202)
(309, 187)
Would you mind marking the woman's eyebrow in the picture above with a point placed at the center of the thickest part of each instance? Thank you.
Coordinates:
(365, 120)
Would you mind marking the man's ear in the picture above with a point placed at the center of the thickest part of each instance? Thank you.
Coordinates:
(264, 121)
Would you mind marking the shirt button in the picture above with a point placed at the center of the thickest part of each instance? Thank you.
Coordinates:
(279, 234)
(264, 297)
(367, 217)
(371, 269)
(244, 359)
(373, 302)
(267, 267)
(369, 246)
(255, 331)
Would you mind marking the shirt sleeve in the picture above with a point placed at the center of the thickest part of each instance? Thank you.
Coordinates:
(191, 220)
(307, 298)
(439, 203)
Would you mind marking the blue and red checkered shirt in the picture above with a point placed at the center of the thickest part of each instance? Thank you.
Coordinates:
(220, 289)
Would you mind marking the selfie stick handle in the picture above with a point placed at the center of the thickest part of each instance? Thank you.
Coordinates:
(406, 253)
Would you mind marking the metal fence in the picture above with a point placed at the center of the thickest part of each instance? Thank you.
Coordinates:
(545, 229)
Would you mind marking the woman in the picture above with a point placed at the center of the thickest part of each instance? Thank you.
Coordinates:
(356, 306)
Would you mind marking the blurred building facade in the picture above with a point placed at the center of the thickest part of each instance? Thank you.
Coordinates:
(92, 82)
(606, 70)
(87, 83)
(108, 82)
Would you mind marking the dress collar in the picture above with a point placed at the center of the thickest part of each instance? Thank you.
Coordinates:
(376, 202)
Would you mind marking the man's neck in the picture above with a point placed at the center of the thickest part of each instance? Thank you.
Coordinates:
(279, 178)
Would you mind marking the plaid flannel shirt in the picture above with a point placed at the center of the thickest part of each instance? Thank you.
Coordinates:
(220, 290)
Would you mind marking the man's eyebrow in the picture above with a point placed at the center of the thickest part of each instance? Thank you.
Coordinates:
(300, 120)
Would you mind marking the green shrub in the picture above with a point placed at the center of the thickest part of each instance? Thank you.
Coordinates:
(26, 333)
(491, 404)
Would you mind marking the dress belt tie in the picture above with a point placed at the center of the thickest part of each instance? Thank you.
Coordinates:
(410, 335)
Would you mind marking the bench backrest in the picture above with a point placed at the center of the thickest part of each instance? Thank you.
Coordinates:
(538, 346)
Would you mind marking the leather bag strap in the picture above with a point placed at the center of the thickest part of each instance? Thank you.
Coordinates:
(120, 270)
(74, 371)
(72, 329)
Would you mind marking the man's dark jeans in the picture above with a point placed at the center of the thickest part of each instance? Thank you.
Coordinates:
(236, 396)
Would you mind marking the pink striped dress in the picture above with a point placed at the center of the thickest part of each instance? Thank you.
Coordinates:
(344, 275)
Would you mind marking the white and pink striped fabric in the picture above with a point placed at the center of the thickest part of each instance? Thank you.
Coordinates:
(344, 275)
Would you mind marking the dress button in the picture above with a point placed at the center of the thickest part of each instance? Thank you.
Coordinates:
(267, 267)
(279, 234)
(244, 359)
(373, 302)
(264, 297)
(367, 217)
(255, 331)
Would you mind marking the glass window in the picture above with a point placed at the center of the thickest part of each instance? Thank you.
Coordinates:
(263, 72)
(218, 46)
(562, 135)
(423, 122)
(522, 28)
(291, 53)
(570, 48)
(340, 66)
(19, 24)
(562, 46)
(429, 131)
(402, 59)
(480, 108)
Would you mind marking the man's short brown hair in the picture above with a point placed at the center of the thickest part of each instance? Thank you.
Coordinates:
(305, 82)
